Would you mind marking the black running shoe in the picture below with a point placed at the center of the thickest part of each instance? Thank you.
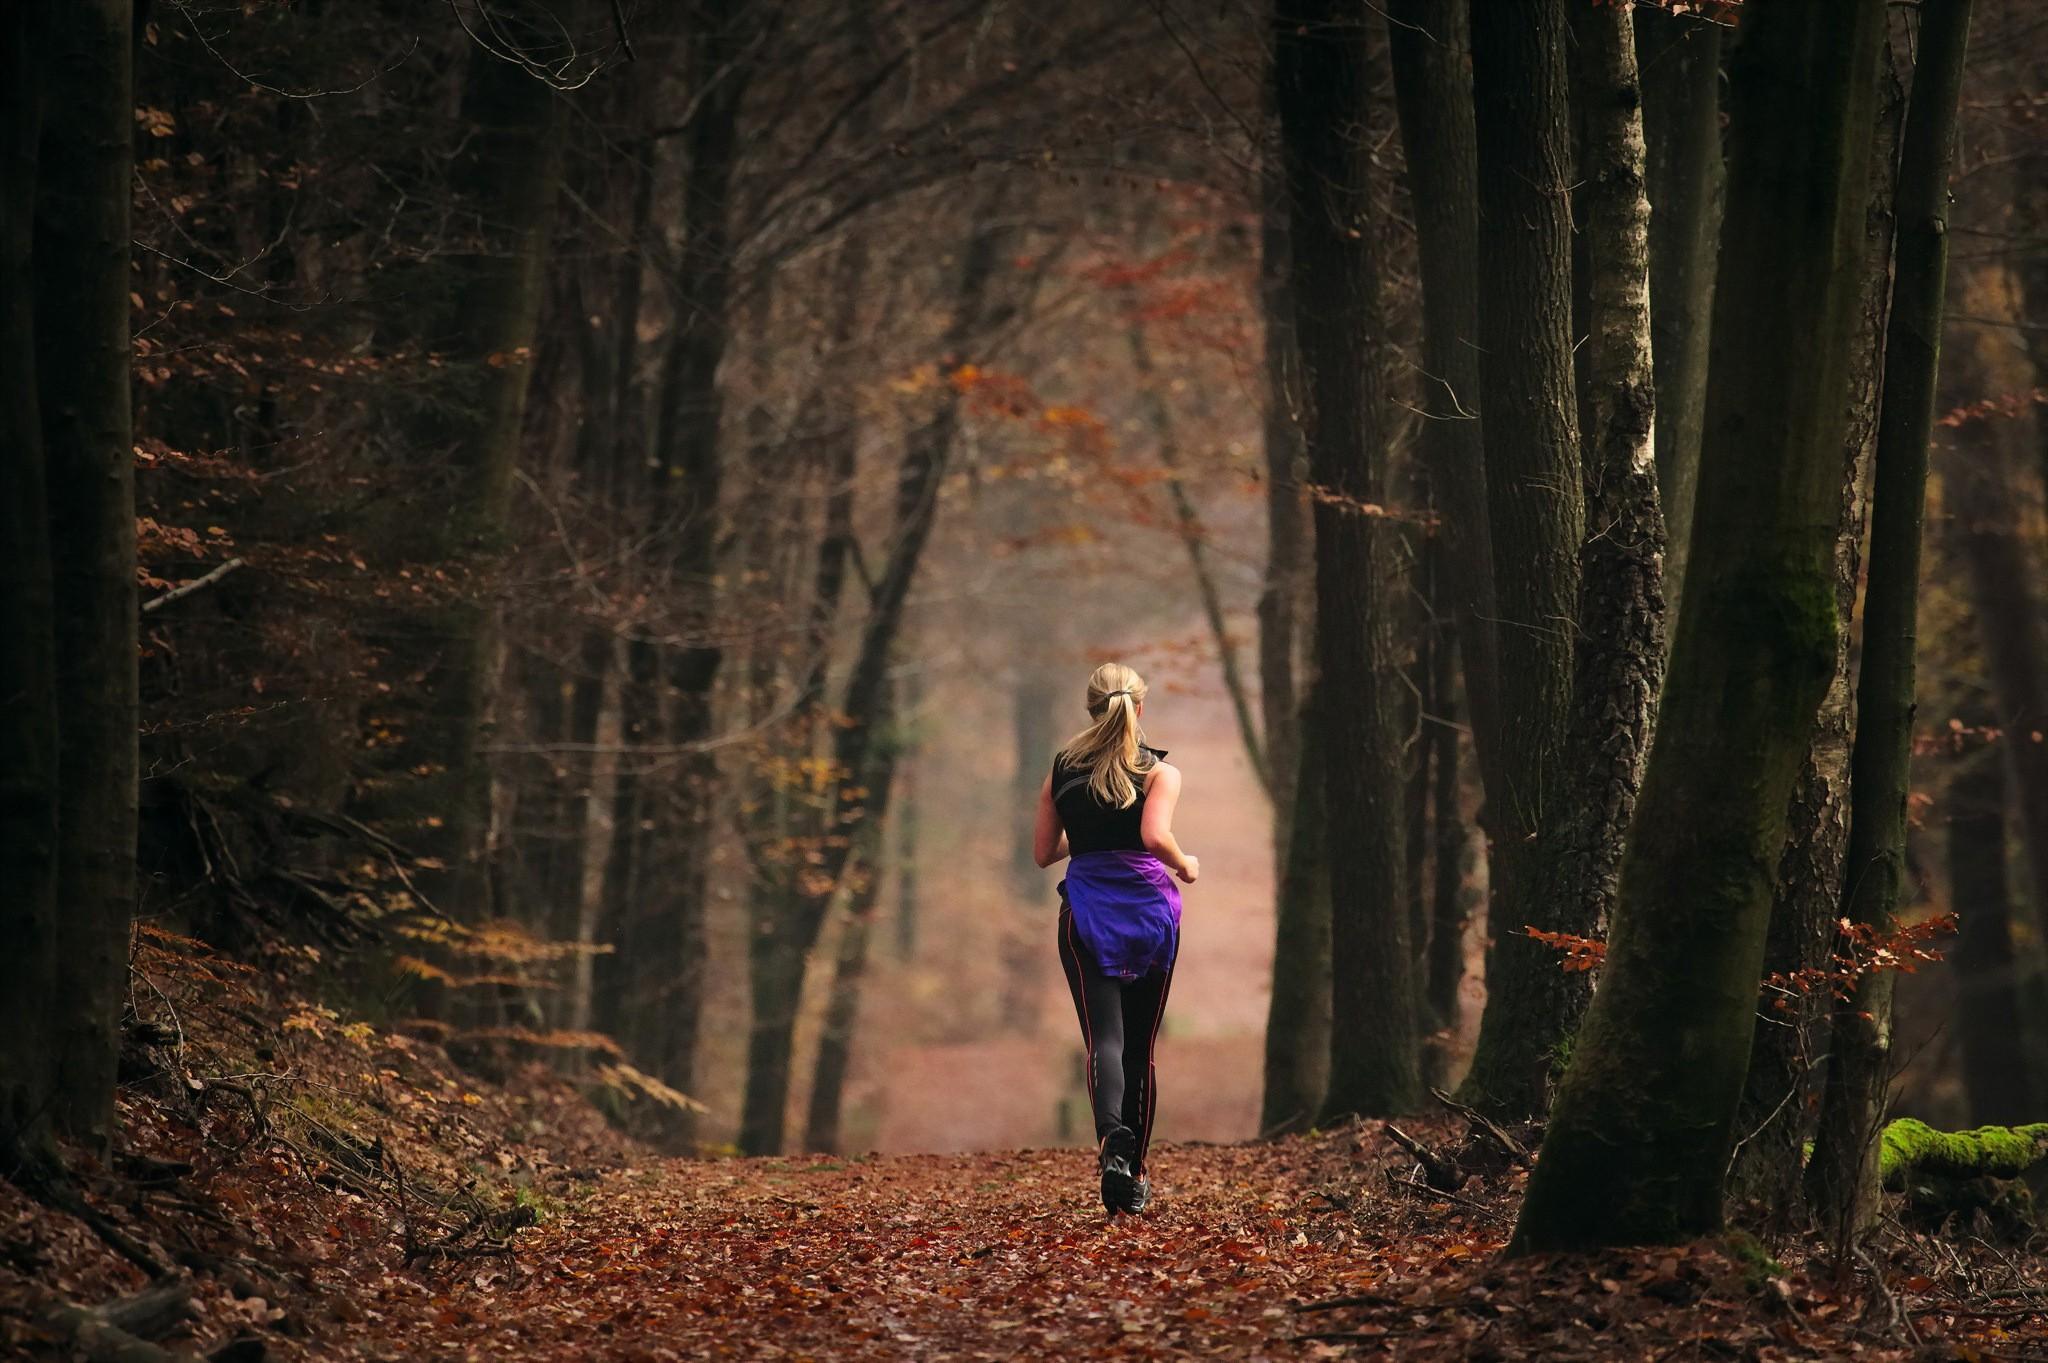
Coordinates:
(1119, 1183)
(1141, 1195)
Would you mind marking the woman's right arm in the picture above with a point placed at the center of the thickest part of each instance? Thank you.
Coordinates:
(1156, 824)
(1048, 837)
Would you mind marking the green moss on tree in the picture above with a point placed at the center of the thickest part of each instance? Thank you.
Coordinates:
(1911, 1146)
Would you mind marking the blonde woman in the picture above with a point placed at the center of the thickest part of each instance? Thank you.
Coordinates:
(1109, 805)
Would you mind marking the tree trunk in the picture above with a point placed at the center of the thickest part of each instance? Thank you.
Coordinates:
(842, 1007)
(29, 792)
(1841, 1178)
(1287, 517)
(1781, 1092)
(1194, 538)
(1980, 484)
(82, 349)
(1444, 965)
(1679, 57)
(1990, 1018)
(505, 181)
(787, 916)
(1433, 94)
(1536, 518)
(1297, 1068)
(1320, 74)
(1640, 1136)
(1618, 670)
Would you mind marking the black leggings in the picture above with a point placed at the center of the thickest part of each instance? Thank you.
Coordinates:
(1119, 1024)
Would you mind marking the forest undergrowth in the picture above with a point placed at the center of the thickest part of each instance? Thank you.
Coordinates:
(294, 1184)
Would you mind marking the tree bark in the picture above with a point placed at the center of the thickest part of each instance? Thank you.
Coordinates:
(1841, 1178)
(1781, 1092)
(1297, 1067)
(1679, 57)
(1536, 518)
(29, 792)
(849, 972)
(1990, 1018)
(1639, 1139)
(1618, 668)
(1320, 74)
(84, 180)
(1288, 547)
(1429, 41)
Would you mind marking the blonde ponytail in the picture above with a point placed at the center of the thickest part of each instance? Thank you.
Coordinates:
(1108, 750)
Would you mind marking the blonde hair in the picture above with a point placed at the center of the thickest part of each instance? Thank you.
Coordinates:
(1108, 750)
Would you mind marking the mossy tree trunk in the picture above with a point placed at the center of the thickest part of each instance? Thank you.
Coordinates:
(1639, 1138)
(1679, 57)
(1536, 519)
(83, 182)
(1781, 1092)
(29, 792)
(1321, 89)
(1841, 1178)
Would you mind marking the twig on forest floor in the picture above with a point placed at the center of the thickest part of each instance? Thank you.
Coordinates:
(1438, 1194)
(1509, 1146)
(186, 589)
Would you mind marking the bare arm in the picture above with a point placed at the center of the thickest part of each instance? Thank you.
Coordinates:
(1156, 825)
(1048, 837)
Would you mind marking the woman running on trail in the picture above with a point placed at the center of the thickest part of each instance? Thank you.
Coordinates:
(1109, 804)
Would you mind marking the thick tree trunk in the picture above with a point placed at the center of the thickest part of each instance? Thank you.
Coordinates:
(29, 792)
(1841, 1179)
(81, 364)
(1781, 1092)
(1639, 1139)
(1536, 519)
(1990, 1017)
(1320, 73)
(1297, 1066)
(1618, 668)
(1679, 57)
(1429, 42)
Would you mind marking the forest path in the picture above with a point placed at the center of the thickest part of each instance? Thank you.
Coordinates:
(928, 1257)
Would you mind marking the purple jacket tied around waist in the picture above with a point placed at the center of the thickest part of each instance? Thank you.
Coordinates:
(1126, 911)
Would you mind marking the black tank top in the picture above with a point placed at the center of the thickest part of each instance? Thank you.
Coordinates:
(1091, 825)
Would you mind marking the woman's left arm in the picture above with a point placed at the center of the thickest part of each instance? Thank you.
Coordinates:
(1048, 837)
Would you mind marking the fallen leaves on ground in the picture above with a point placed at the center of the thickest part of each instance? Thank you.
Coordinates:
(370, 1201)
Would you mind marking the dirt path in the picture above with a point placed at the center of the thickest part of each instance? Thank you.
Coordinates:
(993, 1256)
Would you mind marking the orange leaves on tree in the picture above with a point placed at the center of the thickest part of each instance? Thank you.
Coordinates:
(1579, 953)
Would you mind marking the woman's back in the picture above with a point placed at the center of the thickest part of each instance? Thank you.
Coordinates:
(1092, 824)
